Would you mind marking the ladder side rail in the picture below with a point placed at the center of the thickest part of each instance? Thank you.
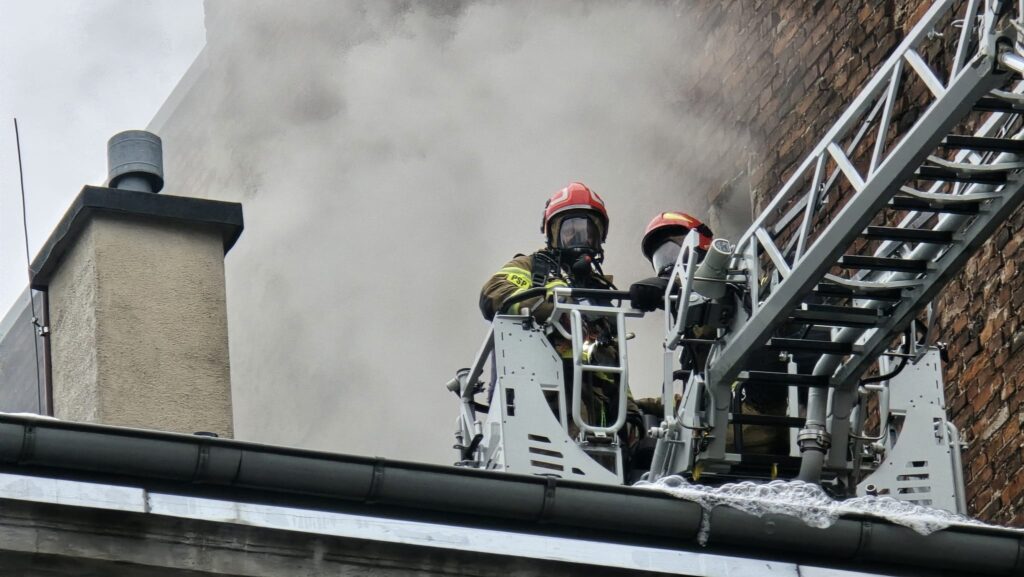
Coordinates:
(991, 126)
(883, 124)
(620, 330)
(576, 328)
(808, 202)
(994, 125)
(668, 388)
(801, 204)
(947, 265)
(853, 112)
(810, 205)
(753, 270)
(902, 161)
(924, 251)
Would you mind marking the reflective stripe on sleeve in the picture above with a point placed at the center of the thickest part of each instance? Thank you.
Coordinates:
(517, 276)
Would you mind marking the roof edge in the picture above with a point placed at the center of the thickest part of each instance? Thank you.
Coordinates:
(195, 465)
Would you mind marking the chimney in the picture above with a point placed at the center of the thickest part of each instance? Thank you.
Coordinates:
(137, 315)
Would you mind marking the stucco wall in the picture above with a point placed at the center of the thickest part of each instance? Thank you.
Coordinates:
(139, 327)
(73, 333)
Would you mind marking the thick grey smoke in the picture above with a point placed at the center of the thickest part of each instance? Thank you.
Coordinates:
(390, 157)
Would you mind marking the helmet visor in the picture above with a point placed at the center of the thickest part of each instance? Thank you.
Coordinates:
(579, 232)
(667, 252)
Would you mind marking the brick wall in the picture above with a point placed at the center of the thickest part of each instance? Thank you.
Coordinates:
(782, 72)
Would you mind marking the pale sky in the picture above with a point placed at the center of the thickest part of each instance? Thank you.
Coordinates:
(74, 73)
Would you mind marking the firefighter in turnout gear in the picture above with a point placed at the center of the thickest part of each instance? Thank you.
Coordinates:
(662, 241)
(575, 226)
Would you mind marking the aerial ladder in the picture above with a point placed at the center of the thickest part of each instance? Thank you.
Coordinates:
(840, 268)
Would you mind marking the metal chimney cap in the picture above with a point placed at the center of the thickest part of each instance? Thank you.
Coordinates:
(136, 161)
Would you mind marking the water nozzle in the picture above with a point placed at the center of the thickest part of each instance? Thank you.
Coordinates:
(714, 266)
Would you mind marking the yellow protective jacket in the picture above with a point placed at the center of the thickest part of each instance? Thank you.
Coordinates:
(517, 276)
(513, 278)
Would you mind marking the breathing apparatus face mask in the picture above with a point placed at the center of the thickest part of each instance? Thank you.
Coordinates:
(580, 234)
(578, 242)
(664, 257)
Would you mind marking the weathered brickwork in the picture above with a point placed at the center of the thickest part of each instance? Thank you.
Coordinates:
(782, 72)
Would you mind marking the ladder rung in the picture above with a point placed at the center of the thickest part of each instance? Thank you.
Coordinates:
(831, 290)
(950, 175)
(840, 309)
(836, 316)
(769, 378)
(909, 203)
(824, 347)
(766, 420)
(992, 104)
(983, 143)
(908, 234)
(854, 261)
(601, 369)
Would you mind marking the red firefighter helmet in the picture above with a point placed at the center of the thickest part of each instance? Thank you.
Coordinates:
(671, 224)
(575, 197)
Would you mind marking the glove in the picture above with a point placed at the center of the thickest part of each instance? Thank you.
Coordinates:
(648, 294)
(542, 311)
(552, 285)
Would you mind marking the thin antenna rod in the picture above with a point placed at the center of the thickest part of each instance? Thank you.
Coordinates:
(28, 264)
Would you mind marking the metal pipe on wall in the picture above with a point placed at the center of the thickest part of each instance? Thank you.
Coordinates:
(47, 358)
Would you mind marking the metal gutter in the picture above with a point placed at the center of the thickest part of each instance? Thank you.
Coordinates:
(204, 466)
